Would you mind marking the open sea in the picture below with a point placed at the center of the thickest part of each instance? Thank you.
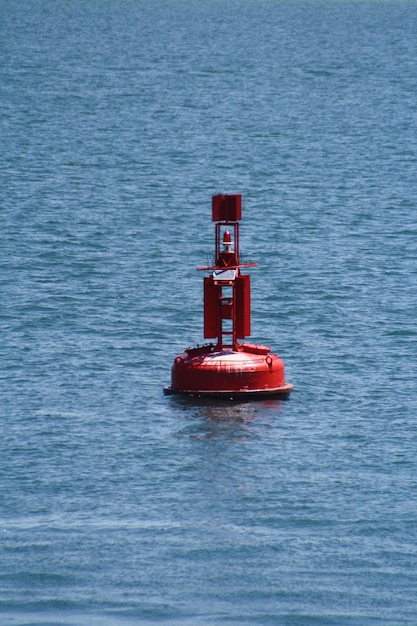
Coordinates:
(119, 119)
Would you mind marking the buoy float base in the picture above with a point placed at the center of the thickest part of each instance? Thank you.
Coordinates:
(251, 371)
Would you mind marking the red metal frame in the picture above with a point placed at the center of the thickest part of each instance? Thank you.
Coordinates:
(226, 298)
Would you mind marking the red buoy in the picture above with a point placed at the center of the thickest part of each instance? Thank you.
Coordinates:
(228, 368)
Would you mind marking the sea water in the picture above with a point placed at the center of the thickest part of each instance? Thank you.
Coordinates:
(119, 120)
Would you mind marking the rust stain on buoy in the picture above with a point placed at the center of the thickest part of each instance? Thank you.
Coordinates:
(227, 368)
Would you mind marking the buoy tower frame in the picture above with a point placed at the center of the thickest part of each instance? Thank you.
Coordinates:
(228, 368)
(227, 290)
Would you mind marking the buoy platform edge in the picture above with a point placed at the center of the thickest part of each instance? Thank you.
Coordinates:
(279, 392)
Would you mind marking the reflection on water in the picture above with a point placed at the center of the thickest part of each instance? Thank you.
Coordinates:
(215, 418)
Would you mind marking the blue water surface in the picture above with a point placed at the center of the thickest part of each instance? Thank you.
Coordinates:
(119, 120)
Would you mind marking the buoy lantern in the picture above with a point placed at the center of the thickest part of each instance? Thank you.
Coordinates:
(225, 367)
